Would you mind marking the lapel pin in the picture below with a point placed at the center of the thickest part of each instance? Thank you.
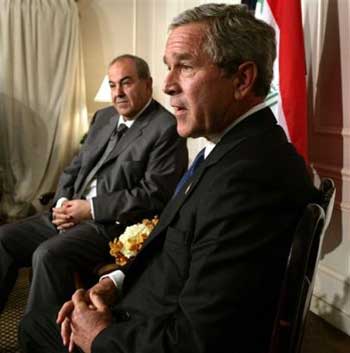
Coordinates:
(188, 188)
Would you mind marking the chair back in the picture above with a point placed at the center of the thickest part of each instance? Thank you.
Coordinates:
(298, 282)
(296, 290)
(327, 188)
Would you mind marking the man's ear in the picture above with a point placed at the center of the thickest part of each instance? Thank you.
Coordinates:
(244, 79)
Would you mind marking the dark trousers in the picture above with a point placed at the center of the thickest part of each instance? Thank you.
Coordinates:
(54, 257)
(39, 333)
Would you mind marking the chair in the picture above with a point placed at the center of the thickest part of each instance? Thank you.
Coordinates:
(45, 198)
(327, 188)
(298, 282)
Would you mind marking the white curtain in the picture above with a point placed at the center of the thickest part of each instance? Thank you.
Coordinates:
(42, 98)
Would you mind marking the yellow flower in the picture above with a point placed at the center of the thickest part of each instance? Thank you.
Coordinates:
(130, 242)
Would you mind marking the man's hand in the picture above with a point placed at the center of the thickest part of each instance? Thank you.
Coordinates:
(60, 218)
(71, 213)
(103, 292)
(78, 210)
(87, 321)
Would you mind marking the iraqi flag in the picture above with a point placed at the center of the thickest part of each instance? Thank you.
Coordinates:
(287, 97)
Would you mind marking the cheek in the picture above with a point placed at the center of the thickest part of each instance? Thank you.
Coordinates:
(133, 97)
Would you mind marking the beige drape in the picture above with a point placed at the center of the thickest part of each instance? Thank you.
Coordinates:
(42, 97)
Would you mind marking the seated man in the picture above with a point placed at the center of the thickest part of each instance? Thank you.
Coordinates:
(114, 180)
(208, 277)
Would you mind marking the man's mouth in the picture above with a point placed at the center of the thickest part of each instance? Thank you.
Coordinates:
(122, 102)
(178, 109)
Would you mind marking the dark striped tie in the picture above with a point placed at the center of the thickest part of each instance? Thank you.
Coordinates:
(113, 140)
(190, 171)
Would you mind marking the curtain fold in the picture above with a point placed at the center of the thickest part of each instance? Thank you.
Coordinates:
(42, 98)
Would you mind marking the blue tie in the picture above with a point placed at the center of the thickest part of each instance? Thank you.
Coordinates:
(190, 171)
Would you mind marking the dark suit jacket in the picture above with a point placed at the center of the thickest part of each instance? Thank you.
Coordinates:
(140, 174)
(208, 276)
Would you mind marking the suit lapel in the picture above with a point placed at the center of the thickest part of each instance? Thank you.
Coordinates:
(103, 136)
(133, 133)
(129, 137)
(256, 124)
(176, 203)
(96, 149)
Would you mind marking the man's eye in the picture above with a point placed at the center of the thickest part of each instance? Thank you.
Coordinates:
(186, 68)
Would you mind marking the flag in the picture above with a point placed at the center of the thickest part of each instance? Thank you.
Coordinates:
(287, 96)
(250, 3)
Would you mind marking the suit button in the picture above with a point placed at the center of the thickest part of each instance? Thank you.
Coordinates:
(125, 316)
(120, 314)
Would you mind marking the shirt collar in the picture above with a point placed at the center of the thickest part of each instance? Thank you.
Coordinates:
(209, 146)
(129, 122)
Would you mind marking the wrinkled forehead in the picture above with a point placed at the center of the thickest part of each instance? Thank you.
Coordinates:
(123, 68)
(185, 40)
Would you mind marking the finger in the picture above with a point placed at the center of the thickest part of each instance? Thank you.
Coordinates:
(79, 299)
(66, 331)
(65, 311)
(69, 204)
(58, 221)
(61, 219)
(97, 301)
(71, 343)
(58, 210)
(66, 225)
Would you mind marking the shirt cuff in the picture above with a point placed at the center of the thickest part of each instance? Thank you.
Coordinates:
(60, 202)
(117, 278)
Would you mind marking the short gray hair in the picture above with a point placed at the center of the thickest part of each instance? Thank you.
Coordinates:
(233, 37)
(141, 65)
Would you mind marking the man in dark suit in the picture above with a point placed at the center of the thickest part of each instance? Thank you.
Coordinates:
(115, 180)
(207, 278)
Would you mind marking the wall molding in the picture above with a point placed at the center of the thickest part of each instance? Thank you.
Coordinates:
(334, 285)
(338, 318)
(331, 130)
(335, 275)
(337, 172)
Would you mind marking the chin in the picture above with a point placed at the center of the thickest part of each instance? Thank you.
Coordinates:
(182, 131)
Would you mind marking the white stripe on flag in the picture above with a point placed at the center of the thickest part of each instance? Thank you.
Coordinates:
(287, 97)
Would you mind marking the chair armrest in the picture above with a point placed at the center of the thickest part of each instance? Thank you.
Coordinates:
(45, 198)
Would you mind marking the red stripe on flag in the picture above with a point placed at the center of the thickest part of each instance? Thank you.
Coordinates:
(292, 70)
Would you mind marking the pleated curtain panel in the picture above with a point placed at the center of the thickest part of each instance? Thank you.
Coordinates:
(43, 111)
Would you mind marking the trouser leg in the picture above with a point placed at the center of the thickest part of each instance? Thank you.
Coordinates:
(8, 275)
(55, 261)
(17, 244)
(39, 333)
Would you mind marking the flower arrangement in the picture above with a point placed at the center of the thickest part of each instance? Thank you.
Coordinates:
(130, 242)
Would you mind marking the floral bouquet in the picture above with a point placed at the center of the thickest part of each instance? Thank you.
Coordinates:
(130, 242)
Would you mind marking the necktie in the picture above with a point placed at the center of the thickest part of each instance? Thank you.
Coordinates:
(113, 140)
(190, 171)
(120, 131)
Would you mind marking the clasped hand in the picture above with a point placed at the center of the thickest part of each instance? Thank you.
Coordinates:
(71, 213)
(86, 315)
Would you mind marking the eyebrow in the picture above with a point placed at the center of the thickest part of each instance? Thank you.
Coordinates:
(179, 57)
(121, 80)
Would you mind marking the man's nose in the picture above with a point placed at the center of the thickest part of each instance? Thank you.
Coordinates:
(118, 91)
(170, 85)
